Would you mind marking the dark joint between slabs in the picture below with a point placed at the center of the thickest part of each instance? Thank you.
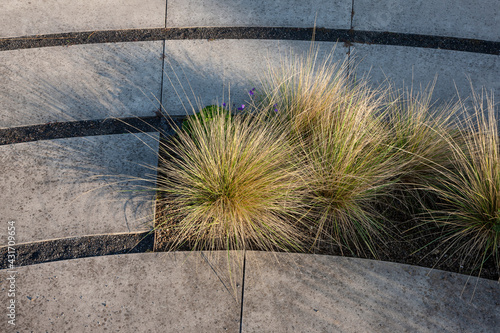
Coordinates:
(276, 33)
(60, 130)
(78, 247)
(243, 290)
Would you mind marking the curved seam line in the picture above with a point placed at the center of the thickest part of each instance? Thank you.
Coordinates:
(260, 33)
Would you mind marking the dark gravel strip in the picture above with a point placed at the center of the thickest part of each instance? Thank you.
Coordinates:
(79, 38)
(78, 247)
(425, 41)
(277, 33)
(84, 128)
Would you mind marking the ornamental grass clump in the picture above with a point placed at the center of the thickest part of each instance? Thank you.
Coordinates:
(421, 131)
(351, 170)
(231, 183)
(347, 165)
(470, 190)
(301, 88)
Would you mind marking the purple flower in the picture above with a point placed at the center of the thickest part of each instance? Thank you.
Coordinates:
(224, 104)
(275, 107)
(251, 92)
(242, 107)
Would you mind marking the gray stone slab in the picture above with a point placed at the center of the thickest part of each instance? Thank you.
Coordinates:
(23, 17)
(79, 82)
(313, 293)
(264, 13)
(78, 186)
(148, 292)
(206, 70)
(451, 18)
(405, 66)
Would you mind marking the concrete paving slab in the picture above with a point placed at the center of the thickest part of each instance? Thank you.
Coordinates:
(314, 293)
(407, 65)
(22, 17)
(76, 187)
(147, 292)
(208, 69)
(335, 14)
(450, 18)
(79, 82)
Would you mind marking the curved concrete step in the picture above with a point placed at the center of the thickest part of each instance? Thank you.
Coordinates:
(102, 80)
(445, 18)
(194, 292)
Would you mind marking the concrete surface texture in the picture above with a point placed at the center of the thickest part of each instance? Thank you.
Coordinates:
(314, 293)
(79, 82)
(208, 70)
(454, 71)
(450, 18)
(259, 13)
(77, 186)
(193, 292)
(147, 292)
(36, 17)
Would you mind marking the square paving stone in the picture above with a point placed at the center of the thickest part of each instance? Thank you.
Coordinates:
(204, 71)
(450, 18)
(314, 293)
(79, 82)
(36, 17)
(147, 292)
(77, 186)
(259, 13)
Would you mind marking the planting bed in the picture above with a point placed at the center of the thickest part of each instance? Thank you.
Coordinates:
(407, 235)
(408, 241)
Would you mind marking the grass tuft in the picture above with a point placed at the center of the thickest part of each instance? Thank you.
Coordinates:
(347, 165)
(421, 131)
(471, 189)
(230, 183)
